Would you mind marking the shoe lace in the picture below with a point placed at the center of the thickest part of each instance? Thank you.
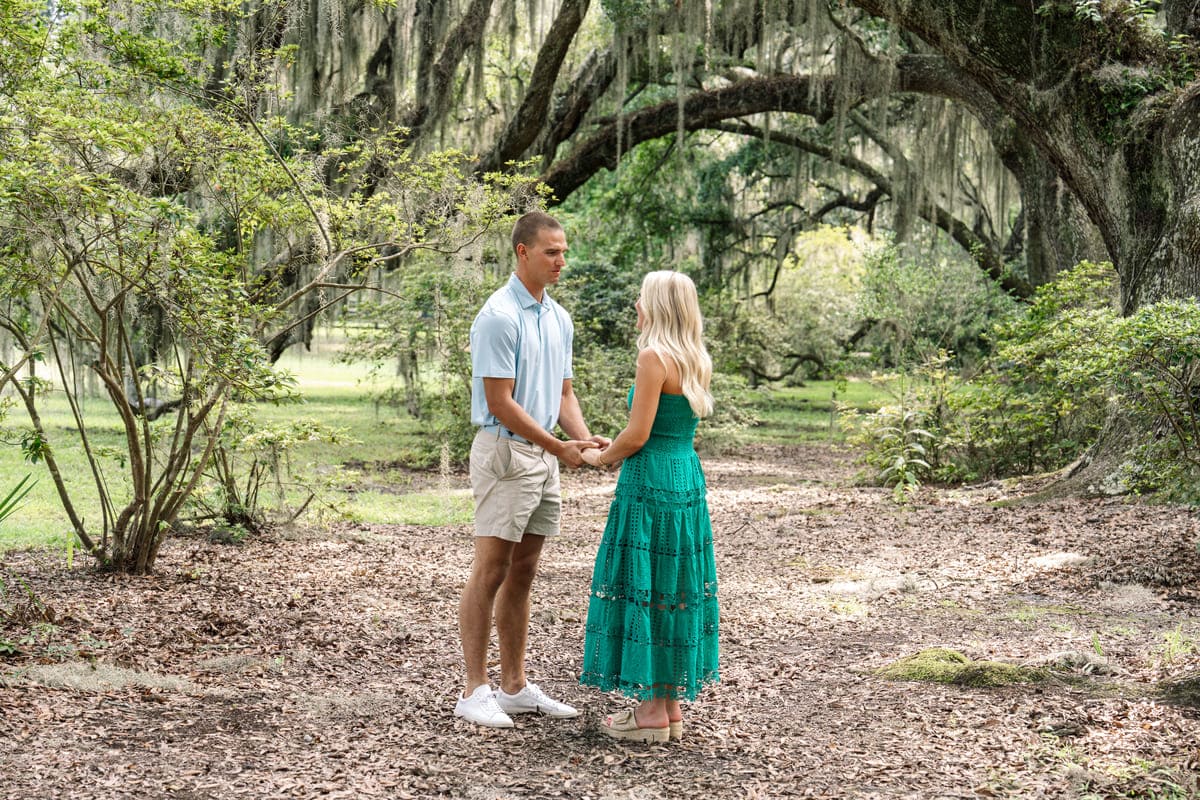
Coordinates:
(536, 692)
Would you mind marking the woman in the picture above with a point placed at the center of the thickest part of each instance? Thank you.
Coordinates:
(652, 615)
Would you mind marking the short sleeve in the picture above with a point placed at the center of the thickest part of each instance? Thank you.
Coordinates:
(493, 346)
(568, 347)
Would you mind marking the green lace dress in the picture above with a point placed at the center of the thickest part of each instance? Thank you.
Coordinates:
(652, 614)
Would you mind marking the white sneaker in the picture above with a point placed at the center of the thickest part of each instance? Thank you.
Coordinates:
(482, 709)
(530, 699)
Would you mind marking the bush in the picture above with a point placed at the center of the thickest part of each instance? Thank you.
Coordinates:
(1058, 373)
(923, 304)
(599, 296)
(1041, 398)
(1152, 363)
(251, 456)
(911, 440)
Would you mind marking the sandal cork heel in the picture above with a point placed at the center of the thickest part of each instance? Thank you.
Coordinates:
(623, 725)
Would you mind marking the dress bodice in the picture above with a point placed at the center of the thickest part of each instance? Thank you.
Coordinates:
(674, 423)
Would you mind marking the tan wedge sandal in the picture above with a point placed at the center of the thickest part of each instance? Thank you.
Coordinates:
(623, 725)
(675, 730)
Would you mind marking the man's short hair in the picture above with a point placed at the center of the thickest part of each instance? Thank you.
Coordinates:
(527, 227)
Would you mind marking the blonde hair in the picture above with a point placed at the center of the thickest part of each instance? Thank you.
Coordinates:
(672, 326)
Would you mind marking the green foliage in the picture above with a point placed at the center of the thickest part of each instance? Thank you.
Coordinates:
(1058, 372)
(662, 175)
(629, 13)
(1153, 63)
(165, 246)
(923, 304)
(908, 441)
(798, 331)
(600, 296)
(740, 335)
(1151, 360)
(602, 380)
(251, 454)
(1037, 403)
(12, 501)
(420, 335)
(733, 410)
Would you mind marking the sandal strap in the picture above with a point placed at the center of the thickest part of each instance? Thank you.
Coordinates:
(623, 721)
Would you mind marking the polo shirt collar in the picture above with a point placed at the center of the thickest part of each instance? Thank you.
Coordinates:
(526, 299)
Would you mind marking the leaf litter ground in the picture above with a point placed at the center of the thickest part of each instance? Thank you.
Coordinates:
(325, 663)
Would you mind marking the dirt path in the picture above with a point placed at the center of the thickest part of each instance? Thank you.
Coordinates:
(325, 665)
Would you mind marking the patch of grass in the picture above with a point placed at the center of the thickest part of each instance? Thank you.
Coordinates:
(845, 606)
(331, 392)
(385, 438)
(1138, 778)
(799, 414)
(424, 508)
(1029, 612)
(1176, 645)
(942, 665)
(958, 609)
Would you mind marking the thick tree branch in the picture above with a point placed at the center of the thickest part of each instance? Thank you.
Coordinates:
(1029, 64)
(816, 97)
(986, 253)
(465, 37)
(523, 128)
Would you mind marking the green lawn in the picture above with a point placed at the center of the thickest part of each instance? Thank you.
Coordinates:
(333, 394)
(365, 477)
(796, 414)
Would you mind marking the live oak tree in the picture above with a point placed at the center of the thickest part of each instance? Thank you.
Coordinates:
(575, 86)
(1033, 134)
(844, 117)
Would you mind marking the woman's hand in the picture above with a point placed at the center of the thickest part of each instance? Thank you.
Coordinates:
(592, 457)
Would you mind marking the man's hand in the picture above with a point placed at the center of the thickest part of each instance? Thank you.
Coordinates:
(571, 452)
(601, 441)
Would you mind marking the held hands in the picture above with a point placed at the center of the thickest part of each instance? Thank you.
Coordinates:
(593, 458)
(573, 452)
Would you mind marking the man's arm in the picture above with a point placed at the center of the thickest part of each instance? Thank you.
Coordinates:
(570, 415)
(570, 418)
(499, 393)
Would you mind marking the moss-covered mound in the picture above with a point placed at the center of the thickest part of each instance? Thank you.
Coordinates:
(940, 665)
(1182, 692)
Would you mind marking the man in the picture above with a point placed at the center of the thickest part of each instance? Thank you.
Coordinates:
(521, 387)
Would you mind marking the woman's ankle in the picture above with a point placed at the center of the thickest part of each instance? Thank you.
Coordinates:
(651, 714)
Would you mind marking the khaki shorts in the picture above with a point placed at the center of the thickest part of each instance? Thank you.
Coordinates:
(516, 488)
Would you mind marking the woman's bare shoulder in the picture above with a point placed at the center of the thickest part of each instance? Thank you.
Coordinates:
(661, 366)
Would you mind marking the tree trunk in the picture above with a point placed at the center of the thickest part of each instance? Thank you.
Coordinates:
(1057, 231)
(1160, 257)
(1132, 165)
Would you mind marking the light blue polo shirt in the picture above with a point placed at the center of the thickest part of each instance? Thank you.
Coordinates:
(515, 336)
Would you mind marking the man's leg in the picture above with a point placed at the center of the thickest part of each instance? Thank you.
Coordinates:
(493, 557)
(512, 611)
